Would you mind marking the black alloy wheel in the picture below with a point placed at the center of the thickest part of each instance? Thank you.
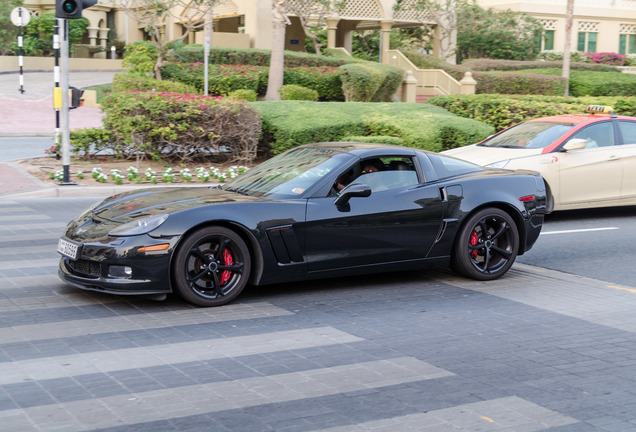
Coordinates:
(487, 245)
(211, 266)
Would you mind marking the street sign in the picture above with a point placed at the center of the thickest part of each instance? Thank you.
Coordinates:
(20, 16)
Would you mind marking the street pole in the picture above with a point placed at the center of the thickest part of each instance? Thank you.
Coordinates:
(66, 134)
(20, 54)
(56, 78)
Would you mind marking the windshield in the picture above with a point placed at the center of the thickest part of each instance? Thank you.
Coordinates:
(288, 175)
(528, 135)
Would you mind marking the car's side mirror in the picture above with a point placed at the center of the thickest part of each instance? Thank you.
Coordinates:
(353, 190)
(575, 144)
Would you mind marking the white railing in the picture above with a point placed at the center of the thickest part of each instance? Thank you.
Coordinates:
(429, 81)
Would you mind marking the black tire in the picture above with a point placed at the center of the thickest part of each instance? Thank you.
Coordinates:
(486, 245)
(211, 267)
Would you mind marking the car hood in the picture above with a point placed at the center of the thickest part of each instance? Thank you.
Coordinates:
(487, 155)
(151, 201)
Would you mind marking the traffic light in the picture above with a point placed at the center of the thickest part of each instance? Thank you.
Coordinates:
(72, 9)
(76, 98)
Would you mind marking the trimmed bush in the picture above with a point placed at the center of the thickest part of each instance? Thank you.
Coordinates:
(360, 81)
(182, 127)
(287, 124)
(370, 82)
(193, 53)
(393, 77)
(123, 82)
(513, 65)
(515, 83)
(245, 94)
(597, 83)
(502, 111)
(296, 92)
(325, 80)
(222, 79)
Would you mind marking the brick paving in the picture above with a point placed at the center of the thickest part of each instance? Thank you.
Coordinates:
(537, 350)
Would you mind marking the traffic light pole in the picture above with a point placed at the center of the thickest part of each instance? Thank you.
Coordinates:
(66, 134)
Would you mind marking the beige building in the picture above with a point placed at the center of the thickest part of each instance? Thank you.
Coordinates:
(598, 25)
(247, 23)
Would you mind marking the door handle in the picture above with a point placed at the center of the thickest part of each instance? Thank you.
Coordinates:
(613, 158)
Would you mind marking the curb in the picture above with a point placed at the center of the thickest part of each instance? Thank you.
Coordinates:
(76, 191)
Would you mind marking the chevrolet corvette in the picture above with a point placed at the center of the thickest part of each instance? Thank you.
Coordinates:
(317, 211)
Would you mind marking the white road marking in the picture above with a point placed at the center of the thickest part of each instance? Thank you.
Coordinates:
(579, 230)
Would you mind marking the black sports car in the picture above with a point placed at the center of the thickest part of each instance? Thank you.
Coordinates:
(316, 211)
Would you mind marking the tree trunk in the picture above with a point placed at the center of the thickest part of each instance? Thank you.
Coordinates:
(565, 73)
(277, 59)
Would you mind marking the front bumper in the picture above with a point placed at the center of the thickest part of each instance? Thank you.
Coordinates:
(93, 270)
(111, 285)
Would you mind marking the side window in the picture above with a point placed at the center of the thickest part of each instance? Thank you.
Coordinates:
(597, 135)
(388, 173)
(628, 130)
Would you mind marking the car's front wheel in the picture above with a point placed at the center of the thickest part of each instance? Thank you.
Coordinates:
(486, 245)
(211, 267)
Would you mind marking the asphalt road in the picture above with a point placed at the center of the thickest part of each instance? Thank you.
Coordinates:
(536, 350)
(597, 243)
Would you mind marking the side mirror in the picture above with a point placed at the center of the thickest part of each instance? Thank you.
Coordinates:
(575, 144)
(353, 190)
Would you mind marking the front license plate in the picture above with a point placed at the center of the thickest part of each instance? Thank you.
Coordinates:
(68, 249)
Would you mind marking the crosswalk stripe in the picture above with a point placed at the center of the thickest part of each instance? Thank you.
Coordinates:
(236, 394)
(145, 321)
(201, 350)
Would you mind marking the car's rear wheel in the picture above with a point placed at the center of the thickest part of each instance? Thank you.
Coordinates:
(211, 266)
(486, 245)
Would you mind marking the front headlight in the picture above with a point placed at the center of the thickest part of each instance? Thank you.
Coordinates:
(142, 225)
(500, 164)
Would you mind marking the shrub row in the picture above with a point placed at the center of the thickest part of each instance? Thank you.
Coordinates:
(503, 111)
(175, 126)
(193, 53)
(517, 83)
(515, 65)
(597, 83)
(534, 77)
(123, 82)
(223, 79)
(288, 124)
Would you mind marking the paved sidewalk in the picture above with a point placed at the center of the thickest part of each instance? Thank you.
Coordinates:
(31, 115)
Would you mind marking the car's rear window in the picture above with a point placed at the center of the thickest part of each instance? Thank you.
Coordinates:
(532, 134)
(446, 167)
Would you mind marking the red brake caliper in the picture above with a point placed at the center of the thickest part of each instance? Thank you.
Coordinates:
(227, 259)
(473, 242)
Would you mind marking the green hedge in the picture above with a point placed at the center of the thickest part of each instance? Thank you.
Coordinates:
(502, 111)
(123, 82)
(516, 65)
(193, 53)
(325, 80)
(287, 124)
(530, 78)
(596, 83)
(296, 92)
(223, 78)
(370, 82)
(516, 83)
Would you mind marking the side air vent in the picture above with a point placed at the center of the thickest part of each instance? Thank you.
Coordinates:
(285, 244)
